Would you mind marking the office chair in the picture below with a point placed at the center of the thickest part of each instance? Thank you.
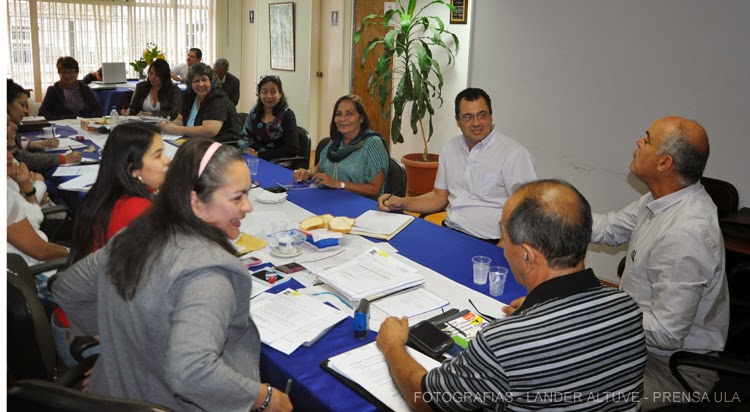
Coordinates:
(724, 195)
(57, 223)
(396, 180)
(302, 159)
(242, 117)
(31, 350)
(319, 148)
(39, 396)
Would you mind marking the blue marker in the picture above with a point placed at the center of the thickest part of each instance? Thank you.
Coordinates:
(362, 319)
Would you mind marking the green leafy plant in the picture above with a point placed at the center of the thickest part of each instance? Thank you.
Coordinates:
(407, 57)
(151, 53)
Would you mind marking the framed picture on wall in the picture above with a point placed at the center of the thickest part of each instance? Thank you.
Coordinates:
(458, 16)
(281, 24)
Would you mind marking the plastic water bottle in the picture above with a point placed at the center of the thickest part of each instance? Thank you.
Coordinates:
(114, 117)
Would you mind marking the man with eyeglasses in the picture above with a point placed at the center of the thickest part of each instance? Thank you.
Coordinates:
(572, 344)
(477, 172)
(180, 72)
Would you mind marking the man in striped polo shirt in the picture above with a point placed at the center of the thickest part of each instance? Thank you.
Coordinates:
(572, 343)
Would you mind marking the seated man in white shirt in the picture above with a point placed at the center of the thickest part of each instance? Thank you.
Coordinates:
(476, 174)
(180, 71)
(675, 262)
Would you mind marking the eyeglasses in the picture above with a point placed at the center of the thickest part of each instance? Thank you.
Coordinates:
(488, 317)
(67, 71)
(468, 118)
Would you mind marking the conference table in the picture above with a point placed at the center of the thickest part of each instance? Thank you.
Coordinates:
(440, 249)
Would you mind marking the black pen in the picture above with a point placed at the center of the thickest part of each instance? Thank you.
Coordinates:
(386, 199)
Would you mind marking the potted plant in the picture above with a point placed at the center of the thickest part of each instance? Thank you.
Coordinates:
(407, 72)
(149, 54)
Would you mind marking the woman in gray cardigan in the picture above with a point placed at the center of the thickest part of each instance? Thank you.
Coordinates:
(156, 96)
(170, 300)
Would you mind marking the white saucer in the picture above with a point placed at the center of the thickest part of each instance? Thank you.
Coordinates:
(262, 200)
(286, 255)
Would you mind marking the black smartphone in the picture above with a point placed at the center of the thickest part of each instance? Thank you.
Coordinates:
(429, 339)
(276, 189)
(268, 276)
(289, 268)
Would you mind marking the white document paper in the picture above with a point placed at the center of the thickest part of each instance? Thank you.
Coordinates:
(411, 303)
(371, 275)
(287, 320)
(78, 170)
(170, 150)
(79, 184)
(366, 366)
(170, 137)
(67, 144)
(384, 223)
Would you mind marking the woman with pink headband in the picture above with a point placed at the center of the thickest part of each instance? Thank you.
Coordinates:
(173, 298)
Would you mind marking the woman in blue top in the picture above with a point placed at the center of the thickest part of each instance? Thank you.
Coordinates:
(270, 130)
(356, 159)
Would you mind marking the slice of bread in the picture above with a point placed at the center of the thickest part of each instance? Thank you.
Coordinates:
(312, 223)
(341, 224)
(327, 218)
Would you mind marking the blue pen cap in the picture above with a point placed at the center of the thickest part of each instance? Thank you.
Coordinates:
(362, 319)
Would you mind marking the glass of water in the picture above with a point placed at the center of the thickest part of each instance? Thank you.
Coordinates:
(252, 164)
(481, 265)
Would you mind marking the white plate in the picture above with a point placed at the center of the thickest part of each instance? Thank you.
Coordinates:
(262, 200)
(286, 255)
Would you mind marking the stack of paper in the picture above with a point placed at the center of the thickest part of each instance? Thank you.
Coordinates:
(288, 320)
(411, 303)
(366, 367)
(380, 225)
(371, 275)
(67, 144)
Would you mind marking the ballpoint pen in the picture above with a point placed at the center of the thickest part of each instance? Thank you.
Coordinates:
(288, 386)
(386, 199)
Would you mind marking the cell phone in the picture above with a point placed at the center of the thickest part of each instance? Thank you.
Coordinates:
(289, 268)
(429, 339)
(269, 276)
(251, 261)
(276, 189)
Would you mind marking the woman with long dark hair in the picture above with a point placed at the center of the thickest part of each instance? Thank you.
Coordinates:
(133, 166)
(356, 159)
(270, 130)
(174, 296)
(157, 95)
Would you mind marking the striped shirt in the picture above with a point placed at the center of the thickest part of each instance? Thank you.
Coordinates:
(572, 345)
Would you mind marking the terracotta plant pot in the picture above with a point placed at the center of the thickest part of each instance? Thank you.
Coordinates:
(420, 176)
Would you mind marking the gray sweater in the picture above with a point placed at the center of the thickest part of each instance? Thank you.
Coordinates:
(185, 341)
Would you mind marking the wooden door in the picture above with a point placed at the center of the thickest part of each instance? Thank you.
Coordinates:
(374, 111)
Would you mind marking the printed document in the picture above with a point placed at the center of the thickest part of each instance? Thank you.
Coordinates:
(366, 366)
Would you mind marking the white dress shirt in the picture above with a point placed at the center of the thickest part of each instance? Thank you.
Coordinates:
(674, 268)
(479, 181)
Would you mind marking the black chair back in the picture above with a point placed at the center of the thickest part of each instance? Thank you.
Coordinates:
(396, 179)
(242, 117)
(319, 148)
(724, 195)
(31, 349)
(302, 159)
(40, 396)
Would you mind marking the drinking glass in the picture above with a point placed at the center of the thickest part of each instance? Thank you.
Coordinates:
(497, 275)
(252, 164)
(481, 268)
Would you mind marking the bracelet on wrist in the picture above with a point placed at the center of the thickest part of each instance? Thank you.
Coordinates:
(267, 400)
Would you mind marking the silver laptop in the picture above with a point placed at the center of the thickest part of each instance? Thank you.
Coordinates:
(113, 73)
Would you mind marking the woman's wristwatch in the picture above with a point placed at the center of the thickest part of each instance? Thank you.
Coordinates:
(32, 192)
(342, 184)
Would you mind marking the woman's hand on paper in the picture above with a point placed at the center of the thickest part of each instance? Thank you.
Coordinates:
(73, 157)
(44, 144)
(393, 332)
(322, 179)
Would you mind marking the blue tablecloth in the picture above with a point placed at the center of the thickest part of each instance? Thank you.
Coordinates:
(440, 249)
(112, 97)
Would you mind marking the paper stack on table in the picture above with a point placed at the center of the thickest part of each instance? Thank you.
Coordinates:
(67, 144)
(366, 367)
(288, 320)
(381, 225)
(371, 275)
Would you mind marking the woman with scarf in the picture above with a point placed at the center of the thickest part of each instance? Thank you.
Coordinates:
(356, 159)
(270, 130)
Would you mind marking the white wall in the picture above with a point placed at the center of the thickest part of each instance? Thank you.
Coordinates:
(578, 81)
(455, 78)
